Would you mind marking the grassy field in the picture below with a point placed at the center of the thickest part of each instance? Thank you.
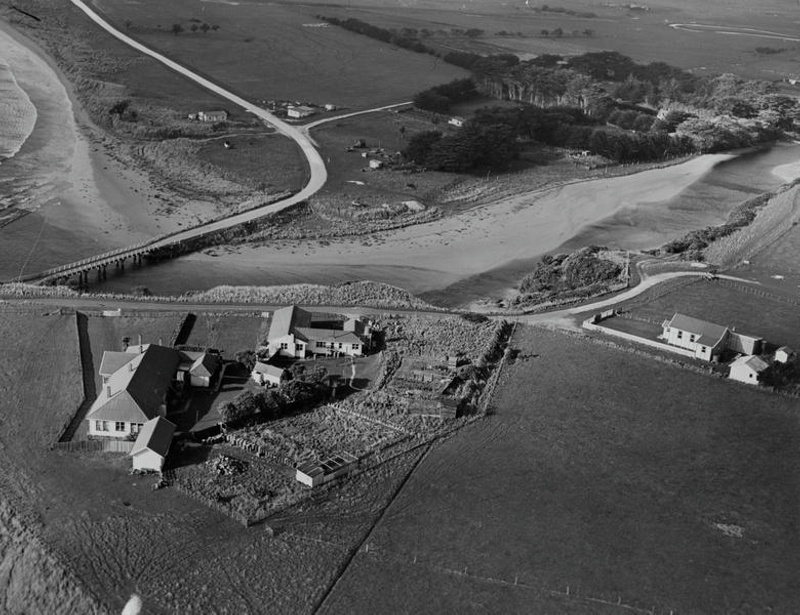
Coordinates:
(271, 51)
(730, 305)
(618, 477)
(643, 35)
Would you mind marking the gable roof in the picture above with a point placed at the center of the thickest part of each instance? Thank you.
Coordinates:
(135, 392)
(285, 320)
(204, 365)
(113, 360)
(156, 435)
(757, 364)
(708, 332)
(328, 335)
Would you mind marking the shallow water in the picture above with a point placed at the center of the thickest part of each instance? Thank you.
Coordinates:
(17, 114)
(641, 226)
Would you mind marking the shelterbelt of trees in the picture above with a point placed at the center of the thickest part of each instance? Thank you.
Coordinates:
(603, 103)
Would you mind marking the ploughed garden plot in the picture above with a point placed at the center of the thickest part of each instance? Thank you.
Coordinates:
(318, 434)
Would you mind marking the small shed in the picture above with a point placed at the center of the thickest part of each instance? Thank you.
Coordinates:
(456, 121)
(784, 354)
(152, 444)
(269, 375)
(747, 369)
(375, 164)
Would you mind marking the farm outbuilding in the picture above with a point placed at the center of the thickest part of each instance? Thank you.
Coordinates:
(152, 445)
(747, 369)
(216, 115)
(300, 111)
(269, 375)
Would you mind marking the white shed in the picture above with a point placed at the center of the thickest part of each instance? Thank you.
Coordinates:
(747, 368)
(784, 354)
(152, 444)
(266, 374)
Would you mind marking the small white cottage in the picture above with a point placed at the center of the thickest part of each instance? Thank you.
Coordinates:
(747, 369)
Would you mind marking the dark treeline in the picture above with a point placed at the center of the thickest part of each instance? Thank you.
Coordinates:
(471, 148)
(440, 98)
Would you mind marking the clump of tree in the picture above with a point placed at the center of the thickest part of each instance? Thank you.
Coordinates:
(782, 376)
(583, 272)
(470, 148)
(270, 404)
(440, 98)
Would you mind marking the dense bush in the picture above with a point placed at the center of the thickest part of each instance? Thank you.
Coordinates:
(581, 269)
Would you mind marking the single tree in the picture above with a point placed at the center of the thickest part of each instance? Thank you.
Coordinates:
(205, 28)
(177, 29)
(128, 24)
(215, 27)
(194, 27)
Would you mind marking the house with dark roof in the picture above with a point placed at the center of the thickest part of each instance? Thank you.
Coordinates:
(705, 339)
(292, 334)
(135, 393)
(152, 445)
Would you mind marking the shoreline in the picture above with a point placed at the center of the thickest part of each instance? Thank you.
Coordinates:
(68, 186)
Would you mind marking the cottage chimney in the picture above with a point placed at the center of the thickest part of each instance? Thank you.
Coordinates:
(130, 366)
(140, 340)
(108, 391)
(160, 342)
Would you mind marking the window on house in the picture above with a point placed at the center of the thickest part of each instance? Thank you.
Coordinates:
(340, 345)
(703, 348)
(101, 425)
(136, 427)
(284, 345)
(355, 346)
(320, 344)
(691, 338)
(680, 334)
(119, 426)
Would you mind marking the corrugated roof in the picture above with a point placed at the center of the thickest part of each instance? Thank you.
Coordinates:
(708, 332)
(755, 363)
(328, 335)
(286, 319)
(113, 360)
(269, 370)
(137, 390)
(156, 435)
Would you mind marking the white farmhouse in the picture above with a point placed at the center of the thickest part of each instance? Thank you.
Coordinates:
(747, 369)
(152, 445)
(291, 334)
(135, 392)
(705, 339)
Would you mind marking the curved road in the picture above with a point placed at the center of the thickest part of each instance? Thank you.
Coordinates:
(318, 174)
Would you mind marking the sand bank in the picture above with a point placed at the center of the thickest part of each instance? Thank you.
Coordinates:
(487, 237)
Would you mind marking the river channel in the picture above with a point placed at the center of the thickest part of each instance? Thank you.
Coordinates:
(640, 224)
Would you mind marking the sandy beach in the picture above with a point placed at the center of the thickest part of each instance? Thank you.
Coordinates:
(83, 198)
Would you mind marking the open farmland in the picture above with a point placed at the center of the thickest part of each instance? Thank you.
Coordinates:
(270, 51)
(614, 476)
(644, 35)
(748, 308)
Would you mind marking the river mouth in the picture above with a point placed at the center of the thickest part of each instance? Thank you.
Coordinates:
(473, 258)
